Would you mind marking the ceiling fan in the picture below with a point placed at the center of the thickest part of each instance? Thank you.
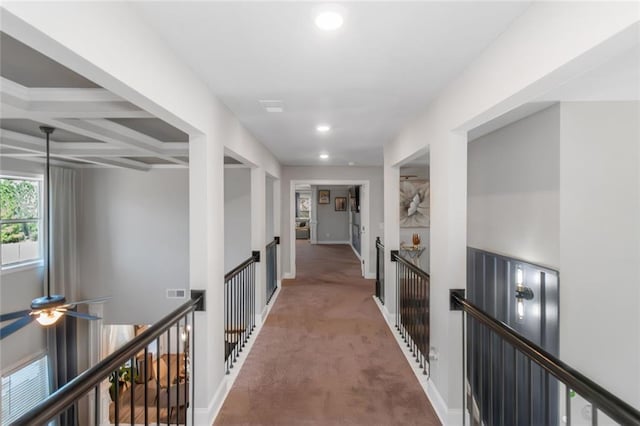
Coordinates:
(46, 310)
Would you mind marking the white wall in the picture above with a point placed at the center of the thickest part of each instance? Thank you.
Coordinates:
(237, 217)
(373, 174)
(133, 241)
(270, 212)
(513, 189)
(561, 40)
(333, 226)
(599, 243)
(19, 287)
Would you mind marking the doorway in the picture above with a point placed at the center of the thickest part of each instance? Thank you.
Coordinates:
(338, 214)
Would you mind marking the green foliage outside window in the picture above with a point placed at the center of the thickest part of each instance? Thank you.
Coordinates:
(19, 199)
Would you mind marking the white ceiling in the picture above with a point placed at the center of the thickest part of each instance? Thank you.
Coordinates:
(367, 80)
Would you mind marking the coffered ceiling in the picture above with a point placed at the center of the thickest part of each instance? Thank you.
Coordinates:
(94, 127)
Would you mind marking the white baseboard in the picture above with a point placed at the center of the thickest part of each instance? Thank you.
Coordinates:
(207, 416)
(288, 276)
(230, 378)
(447, 416)
(370, 275)
(334, 242)
(355, 252)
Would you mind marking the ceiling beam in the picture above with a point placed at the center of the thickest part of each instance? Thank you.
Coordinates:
(39, 103)
(115, 134)
(21, 141)
(32, 145)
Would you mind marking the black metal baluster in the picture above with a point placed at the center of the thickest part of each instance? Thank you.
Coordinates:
(185, 358)
(192, 364)
(490, 362)
(233, 319)
(168, 410)
(515, 386)
(420, 321)
(241, 313)
(226, 325)
(414, 309)
(146, 385)
(132, 404)
(158, 384)
(116, 380)
(502, 385)
(427, 328)
(481, 368)
(567, 403)
(178, 339)
(96, 402)
(594, 415)
(529, 377)
(405, 304)
(397, 296)
(464, 375)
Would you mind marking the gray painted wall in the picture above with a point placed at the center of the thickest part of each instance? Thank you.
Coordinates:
(134, 241)
(599, 243)
(237, 217)
(376, 199)
(18, 288)
(332, 225)
(513, 189)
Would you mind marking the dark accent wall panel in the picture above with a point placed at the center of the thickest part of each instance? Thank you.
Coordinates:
(494, 368)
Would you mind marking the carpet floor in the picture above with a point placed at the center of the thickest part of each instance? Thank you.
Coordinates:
(325, 355)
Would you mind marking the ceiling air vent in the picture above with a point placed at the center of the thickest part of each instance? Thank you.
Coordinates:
(272, 105)
(176, 293)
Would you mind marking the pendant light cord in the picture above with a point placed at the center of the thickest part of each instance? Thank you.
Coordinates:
(48, 130)
(48, 221)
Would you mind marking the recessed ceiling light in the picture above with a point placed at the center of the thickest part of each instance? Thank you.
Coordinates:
(329, 20)
(351, 163)
(329, 17)
(324, 156)
(323, 128)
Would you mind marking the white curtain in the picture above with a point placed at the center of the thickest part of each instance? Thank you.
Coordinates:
(64, 255)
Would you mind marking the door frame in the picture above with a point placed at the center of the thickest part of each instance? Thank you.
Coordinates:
(365, 227)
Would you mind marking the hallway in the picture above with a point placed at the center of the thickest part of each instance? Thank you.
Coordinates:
(325, 355)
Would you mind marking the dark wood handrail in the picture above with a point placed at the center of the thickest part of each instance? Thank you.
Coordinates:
(395, 257)
(84, 382)
(614, 407)
(235, 271)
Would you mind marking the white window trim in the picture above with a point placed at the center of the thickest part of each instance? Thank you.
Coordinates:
(32, 263)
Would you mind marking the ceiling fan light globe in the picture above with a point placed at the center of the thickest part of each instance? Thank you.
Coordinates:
(48, 317)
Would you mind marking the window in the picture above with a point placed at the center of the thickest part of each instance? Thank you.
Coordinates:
(24, 389)
(20, 220)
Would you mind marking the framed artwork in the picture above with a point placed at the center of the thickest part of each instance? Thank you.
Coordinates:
(341, 204)
(304, 205)
(323, 196)
(414, 203)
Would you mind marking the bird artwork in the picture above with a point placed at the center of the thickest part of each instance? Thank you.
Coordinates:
(414, 203)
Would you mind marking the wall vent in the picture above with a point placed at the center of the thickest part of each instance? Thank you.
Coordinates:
(176, 293)
(272, 105)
